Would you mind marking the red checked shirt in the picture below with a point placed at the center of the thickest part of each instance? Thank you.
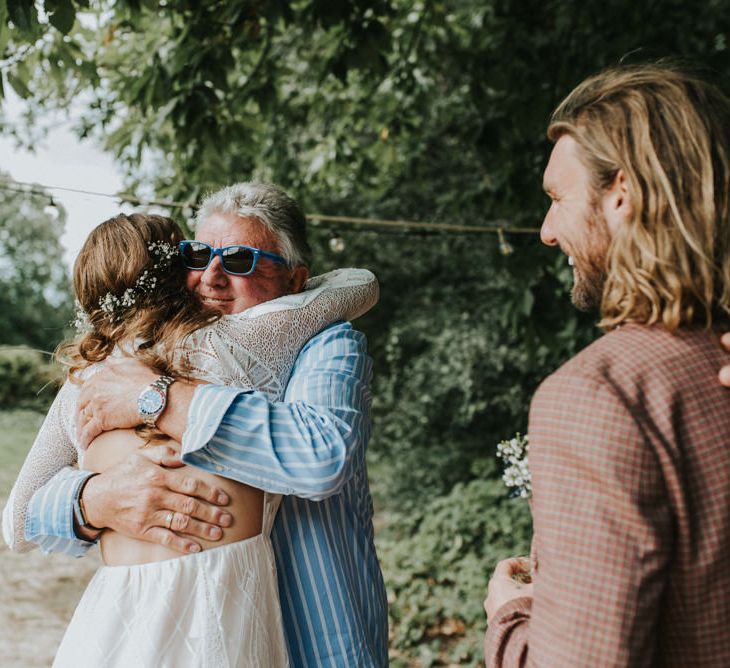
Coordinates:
(630, 462)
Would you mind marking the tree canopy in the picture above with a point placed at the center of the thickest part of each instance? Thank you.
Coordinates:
(35, 301)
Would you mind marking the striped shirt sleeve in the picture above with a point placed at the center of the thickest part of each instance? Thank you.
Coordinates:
(301, 446)
(49, 520)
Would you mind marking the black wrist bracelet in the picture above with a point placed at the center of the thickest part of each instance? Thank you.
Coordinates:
(80, 511)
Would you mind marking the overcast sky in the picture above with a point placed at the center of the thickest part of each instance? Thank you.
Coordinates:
(63, 160)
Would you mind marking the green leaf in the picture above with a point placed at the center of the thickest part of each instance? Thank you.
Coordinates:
(4, 30)
(23, 14)
(19, 86)
(61, 14)
(528, 300)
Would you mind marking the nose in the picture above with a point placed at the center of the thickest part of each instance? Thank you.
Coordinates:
(213, 275)
(547, 230)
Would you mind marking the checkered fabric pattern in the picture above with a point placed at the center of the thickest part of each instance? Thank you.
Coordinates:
(630, 462)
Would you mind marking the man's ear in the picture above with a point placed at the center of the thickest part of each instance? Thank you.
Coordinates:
(616, 202)
(297, 279)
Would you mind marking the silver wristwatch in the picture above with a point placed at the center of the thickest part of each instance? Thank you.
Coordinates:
(153, 399)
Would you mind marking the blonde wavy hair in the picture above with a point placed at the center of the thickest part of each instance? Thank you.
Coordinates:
(668, 131)
(113, 257)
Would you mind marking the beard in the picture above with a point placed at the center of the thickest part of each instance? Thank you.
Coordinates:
(589, 264)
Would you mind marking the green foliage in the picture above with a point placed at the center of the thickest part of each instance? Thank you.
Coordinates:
(27, 379)
(18, 428)
(460, 362)
(437, 564)
(35, 297)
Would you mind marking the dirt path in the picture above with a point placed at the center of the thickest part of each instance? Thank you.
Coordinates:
(38, 594)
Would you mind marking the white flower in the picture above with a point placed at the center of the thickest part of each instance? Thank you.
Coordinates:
(81, 320)
(146, 282)
(514, 455)
(128, 298)
(109, 303)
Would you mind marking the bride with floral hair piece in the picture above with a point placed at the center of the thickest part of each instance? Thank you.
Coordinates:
(148, 605)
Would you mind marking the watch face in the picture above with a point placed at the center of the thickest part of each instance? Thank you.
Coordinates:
(150, 401)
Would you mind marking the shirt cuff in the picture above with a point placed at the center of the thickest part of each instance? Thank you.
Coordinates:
(505, 641)
(515, 609)
(49, 521)
(207, 409)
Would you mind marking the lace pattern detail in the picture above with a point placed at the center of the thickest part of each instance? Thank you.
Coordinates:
(254, 349)
(257, 347)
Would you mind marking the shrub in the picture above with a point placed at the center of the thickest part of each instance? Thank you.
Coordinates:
(27, 378)
(437, 562)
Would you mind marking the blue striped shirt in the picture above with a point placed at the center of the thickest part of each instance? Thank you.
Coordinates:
(311, 448)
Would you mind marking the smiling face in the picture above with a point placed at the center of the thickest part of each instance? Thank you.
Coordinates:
(576, 222)
(233, 294)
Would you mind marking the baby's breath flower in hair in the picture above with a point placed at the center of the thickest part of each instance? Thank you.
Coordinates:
(514, 455)
(146, 282)
(81, 320)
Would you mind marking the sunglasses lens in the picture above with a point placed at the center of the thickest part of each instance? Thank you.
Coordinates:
(195, 255)
(237, 259)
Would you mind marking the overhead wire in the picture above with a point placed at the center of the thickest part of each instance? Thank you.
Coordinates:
(499, 227)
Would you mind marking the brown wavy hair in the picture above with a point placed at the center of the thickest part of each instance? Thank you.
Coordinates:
(668, 131)
(113, 257)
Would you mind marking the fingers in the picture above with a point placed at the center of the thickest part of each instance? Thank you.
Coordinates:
(505, 585)
(89, 431)
(182, 523)
(82, 417)
(189, 486)
(88, 417)
(724, 373)
(512, 566)
(110, 398)
(170, 539)
(198, 510)
(164, 455)
(724, 376)
(135, 499)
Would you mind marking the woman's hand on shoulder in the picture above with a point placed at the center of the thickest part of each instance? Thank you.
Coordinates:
(724, 374)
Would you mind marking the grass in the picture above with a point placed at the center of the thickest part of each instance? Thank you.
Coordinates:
(18, 428)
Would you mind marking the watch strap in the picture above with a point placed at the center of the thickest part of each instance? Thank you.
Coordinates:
(163, 382)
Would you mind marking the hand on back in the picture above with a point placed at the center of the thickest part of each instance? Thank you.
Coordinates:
(143, 497)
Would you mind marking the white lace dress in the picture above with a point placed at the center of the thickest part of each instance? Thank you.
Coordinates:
(219, 607)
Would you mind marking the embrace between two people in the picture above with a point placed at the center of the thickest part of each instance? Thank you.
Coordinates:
(276, 491)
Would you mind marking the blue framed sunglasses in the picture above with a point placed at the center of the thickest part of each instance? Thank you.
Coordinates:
(235, 260)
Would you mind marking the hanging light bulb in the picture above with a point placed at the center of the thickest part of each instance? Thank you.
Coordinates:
(505, 247)
(51, 209)
(337, 244)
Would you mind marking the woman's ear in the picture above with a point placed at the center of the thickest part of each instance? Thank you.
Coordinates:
(298, 278)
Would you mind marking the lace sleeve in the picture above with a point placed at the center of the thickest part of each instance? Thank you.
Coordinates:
(54, 448)
(256, 348)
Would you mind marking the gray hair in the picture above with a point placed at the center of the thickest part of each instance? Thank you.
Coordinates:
(276, 211)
